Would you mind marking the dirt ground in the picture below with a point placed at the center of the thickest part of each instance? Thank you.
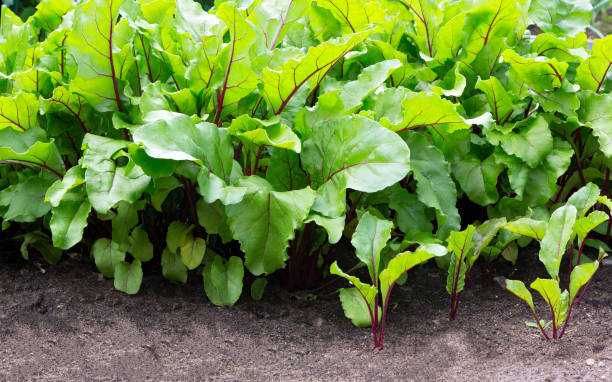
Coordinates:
(68, 323)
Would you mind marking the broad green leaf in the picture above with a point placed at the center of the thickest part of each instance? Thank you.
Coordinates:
(282, 84)
(69, 218)
(355, 307)
(355, 15)
(264, 222)
(532, 143)
(272, 19)
(411, 217)
(357, 153)
(192, 252)
(173, 268)
(284, 171)
(405, 261)
(18, 112)
(175, 136)
(125, 219)
(558, 232)
(258, 287)
(595, 112)
(460, 246)
(368, 81)
(539, 73)
(212, 217)
(478, 179)
(223, 281)
(65, 102)
(369, 239)
(49, 13)
(140, 245)
(499, 100)
(25, 201)
(518, 288)
(562, 17)
(213, 188)
(102, 49)
(128, 277)
(592, 72)
(270, 133)
(333, 226)
(106, 183)
(42, 244)
(551, 293)
(528, 227)
(43, 155)
(435, 187)
(107, 255)
(163, 187)
(367, 291)
(586, 224)
(563, 48)
(177, 235)
(73, 178)
(584, 199)
(427, 110)
(581, 274)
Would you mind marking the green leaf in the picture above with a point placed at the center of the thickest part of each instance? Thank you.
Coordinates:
(42, 244)
(175, 136)
(213, 218)
(592, 72)
(264, 222)
(532, 143)
(584, 225)
(499, 100)
(367, 291)
(355, 152)
(18, 112)
(368, 81)
(102, 49)
(333, 226)
(539, 73)
(140, 245)
(272, 19)
(282, 84)
(43, 155)
(192, 252)
(173, 268)
(271, 133)
(223, 281)
(518, 288)
(355, 15)
(581, 274)
(177, 235)
(435, 187)
(355, 308)
(558, 232)
(478, 179)
(69, 218)
(284, 171)
(551, 293)
(258, 287)
(405, 261)
(106, 183)
(528, 227)
(460, 246)
(25, 200)
(369, 239)
(595, 112)
(562, 17)
(128, 277)
(584, 199)
(482, 236)
(107, 255)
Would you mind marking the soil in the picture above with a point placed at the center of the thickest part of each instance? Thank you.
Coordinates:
(66, 322)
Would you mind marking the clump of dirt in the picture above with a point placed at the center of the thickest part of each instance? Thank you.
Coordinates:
(68, 323)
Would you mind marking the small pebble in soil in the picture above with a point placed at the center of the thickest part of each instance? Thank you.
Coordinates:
(318, 322)
(601, 364)
(590, 361)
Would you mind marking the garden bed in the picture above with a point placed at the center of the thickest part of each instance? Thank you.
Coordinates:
(69, 323)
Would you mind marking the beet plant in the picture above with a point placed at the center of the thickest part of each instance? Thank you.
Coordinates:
(569, 226)
(367, 304)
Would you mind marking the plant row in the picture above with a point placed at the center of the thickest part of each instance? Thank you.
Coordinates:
(153, 131)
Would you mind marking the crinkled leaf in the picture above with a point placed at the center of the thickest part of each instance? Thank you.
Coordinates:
(69, 218)
(595, 112)
(18, 112)
(270, 133)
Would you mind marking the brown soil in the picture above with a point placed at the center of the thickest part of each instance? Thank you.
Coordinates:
(68, 323)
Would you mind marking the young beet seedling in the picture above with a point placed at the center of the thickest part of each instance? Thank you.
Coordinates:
(567, 224)
(465, 248)
(366, 304)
